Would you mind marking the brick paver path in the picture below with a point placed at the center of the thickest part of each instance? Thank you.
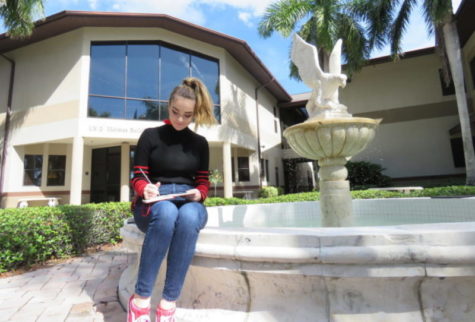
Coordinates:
(79, 289)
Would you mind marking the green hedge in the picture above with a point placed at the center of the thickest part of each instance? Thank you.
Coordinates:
(34, 235)
(450, 191)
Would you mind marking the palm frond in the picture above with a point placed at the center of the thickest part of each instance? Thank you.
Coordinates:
(355, 45)
(282, 17)
(399, 26)
(19, 15)
(379, 21)
(436, 12)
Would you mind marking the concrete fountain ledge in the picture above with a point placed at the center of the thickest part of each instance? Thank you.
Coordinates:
(423, 272)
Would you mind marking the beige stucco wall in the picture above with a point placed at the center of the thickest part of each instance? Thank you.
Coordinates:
(4, 83)
(408, 82)
(47, 72)
(413, 139)
(413, 149)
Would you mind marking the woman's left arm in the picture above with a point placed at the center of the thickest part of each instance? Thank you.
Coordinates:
(202, 174)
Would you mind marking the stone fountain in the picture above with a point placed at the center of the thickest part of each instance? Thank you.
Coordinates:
(271, 263)
(331, 135)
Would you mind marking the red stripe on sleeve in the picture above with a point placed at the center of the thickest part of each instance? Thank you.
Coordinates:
(202, 183)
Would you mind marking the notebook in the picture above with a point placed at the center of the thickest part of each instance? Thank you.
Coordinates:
(167, 197)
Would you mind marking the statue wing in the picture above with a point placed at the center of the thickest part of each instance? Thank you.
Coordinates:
(305, 57)
(335, 59)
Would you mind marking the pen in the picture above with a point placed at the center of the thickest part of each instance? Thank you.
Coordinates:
(146, 177)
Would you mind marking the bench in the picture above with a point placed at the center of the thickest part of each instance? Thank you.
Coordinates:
(52, 201)
(399, 189)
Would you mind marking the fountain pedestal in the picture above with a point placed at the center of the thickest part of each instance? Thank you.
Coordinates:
(332, 141)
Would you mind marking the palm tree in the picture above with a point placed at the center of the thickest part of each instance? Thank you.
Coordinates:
(440, 20)
(19, 15)
(320, 23)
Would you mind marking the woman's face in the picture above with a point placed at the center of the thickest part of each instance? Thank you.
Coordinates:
(181, 111)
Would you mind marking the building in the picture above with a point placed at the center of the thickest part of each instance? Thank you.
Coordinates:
(86, 84)
(419, 138)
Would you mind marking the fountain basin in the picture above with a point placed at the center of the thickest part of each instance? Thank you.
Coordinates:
(249, 267)
(321, 138)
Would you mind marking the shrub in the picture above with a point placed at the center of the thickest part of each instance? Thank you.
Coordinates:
(268, 192)
(364, 175)
(36, 234)
(31, 236)
(94, 224)
(218, 201)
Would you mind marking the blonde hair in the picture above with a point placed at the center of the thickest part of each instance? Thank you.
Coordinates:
(194, 89)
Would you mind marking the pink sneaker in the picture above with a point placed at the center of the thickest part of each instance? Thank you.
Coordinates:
(165, 315)
(137, 314)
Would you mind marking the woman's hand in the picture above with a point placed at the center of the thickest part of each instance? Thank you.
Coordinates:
(196, 196)
(151, 190)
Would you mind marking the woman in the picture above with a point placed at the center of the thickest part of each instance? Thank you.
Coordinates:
(170, 159)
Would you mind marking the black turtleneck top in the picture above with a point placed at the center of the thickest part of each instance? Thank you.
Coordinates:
(170, 156)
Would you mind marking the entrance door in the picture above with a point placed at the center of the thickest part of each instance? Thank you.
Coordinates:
(105, 177)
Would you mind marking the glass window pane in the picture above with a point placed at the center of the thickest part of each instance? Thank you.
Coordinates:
(174, 66)
(107, 70)
(243, 174)
(29, 162)
(29, 179)
(142, 71)
(38, 161)
(217, 113)
(106, 107)
(142, 110)
(163, 111)
(243, 169)
(55, 178)
(32, 165)
(56, 162)
(208, 72)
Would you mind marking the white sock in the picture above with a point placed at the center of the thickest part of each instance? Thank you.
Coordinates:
(142, 303)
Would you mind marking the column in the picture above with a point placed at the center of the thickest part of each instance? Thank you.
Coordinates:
(124, 171)
(75, 195)
(227, 169)
(44, 169)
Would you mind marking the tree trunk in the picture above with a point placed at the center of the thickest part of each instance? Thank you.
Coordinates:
(455, 59)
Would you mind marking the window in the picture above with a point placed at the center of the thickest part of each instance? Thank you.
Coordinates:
(131, 80)
(56, 170)
(233, 176)
(277, 176)
(32, 165)
(457, 151)
(265, 169)
(263, 173)
(446, 89)
(243, 169)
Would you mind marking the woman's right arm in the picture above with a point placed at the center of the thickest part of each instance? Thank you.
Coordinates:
(141, 164)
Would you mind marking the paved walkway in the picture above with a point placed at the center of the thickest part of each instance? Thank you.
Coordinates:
(79, 289)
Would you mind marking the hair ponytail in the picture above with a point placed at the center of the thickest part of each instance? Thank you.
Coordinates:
(193, 88)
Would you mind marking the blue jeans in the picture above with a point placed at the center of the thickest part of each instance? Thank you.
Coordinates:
(173, 226)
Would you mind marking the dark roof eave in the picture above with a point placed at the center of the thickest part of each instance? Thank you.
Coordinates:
(66, 21)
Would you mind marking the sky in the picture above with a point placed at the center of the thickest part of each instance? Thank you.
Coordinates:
(237, 18)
